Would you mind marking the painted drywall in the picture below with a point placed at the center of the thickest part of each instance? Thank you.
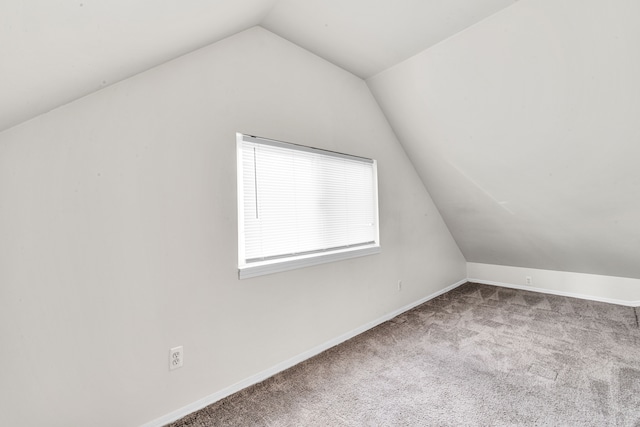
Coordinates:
(118, 236)
(525, 130)
(54, 52)
(616, 290)
(366, 37)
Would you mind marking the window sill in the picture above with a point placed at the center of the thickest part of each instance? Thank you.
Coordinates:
(269, 267)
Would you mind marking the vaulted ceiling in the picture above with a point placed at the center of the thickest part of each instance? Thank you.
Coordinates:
(52, 52)
(520, 117)
(525, 130)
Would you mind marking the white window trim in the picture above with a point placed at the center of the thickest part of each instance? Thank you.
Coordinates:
(268, 267)
(278, 265)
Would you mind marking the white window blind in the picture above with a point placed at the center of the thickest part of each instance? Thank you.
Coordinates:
(302, 204)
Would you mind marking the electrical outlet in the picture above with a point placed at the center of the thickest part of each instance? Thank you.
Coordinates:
(176, 358)
(528, 280)
(399, 285)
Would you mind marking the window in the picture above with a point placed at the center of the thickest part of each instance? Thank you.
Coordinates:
(300, 206)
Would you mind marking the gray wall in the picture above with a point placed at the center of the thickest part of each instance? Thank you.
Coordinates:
(525, 130)
(118, 236)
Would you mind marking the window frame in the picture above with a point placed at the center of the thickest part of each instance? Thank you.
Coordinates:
(259, 268)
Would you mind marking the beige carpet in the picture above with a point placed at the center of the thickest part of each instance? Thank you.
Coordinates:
(476, 356)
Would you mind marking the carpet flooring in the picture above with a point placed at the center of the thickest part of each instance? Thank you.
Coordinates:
(478, 355)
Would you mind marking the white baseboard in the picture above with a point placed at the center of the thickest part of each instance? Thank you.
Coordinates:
(267, 373)
(556, 292)
(594, 287)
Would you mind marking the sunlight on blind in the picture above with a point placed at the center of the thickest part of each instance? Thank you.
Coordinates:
(297, 200)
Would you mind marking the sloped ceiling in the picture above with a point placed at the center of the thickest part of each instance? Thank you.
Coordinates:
(365, 36)
(525, 130)
(52, 52)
